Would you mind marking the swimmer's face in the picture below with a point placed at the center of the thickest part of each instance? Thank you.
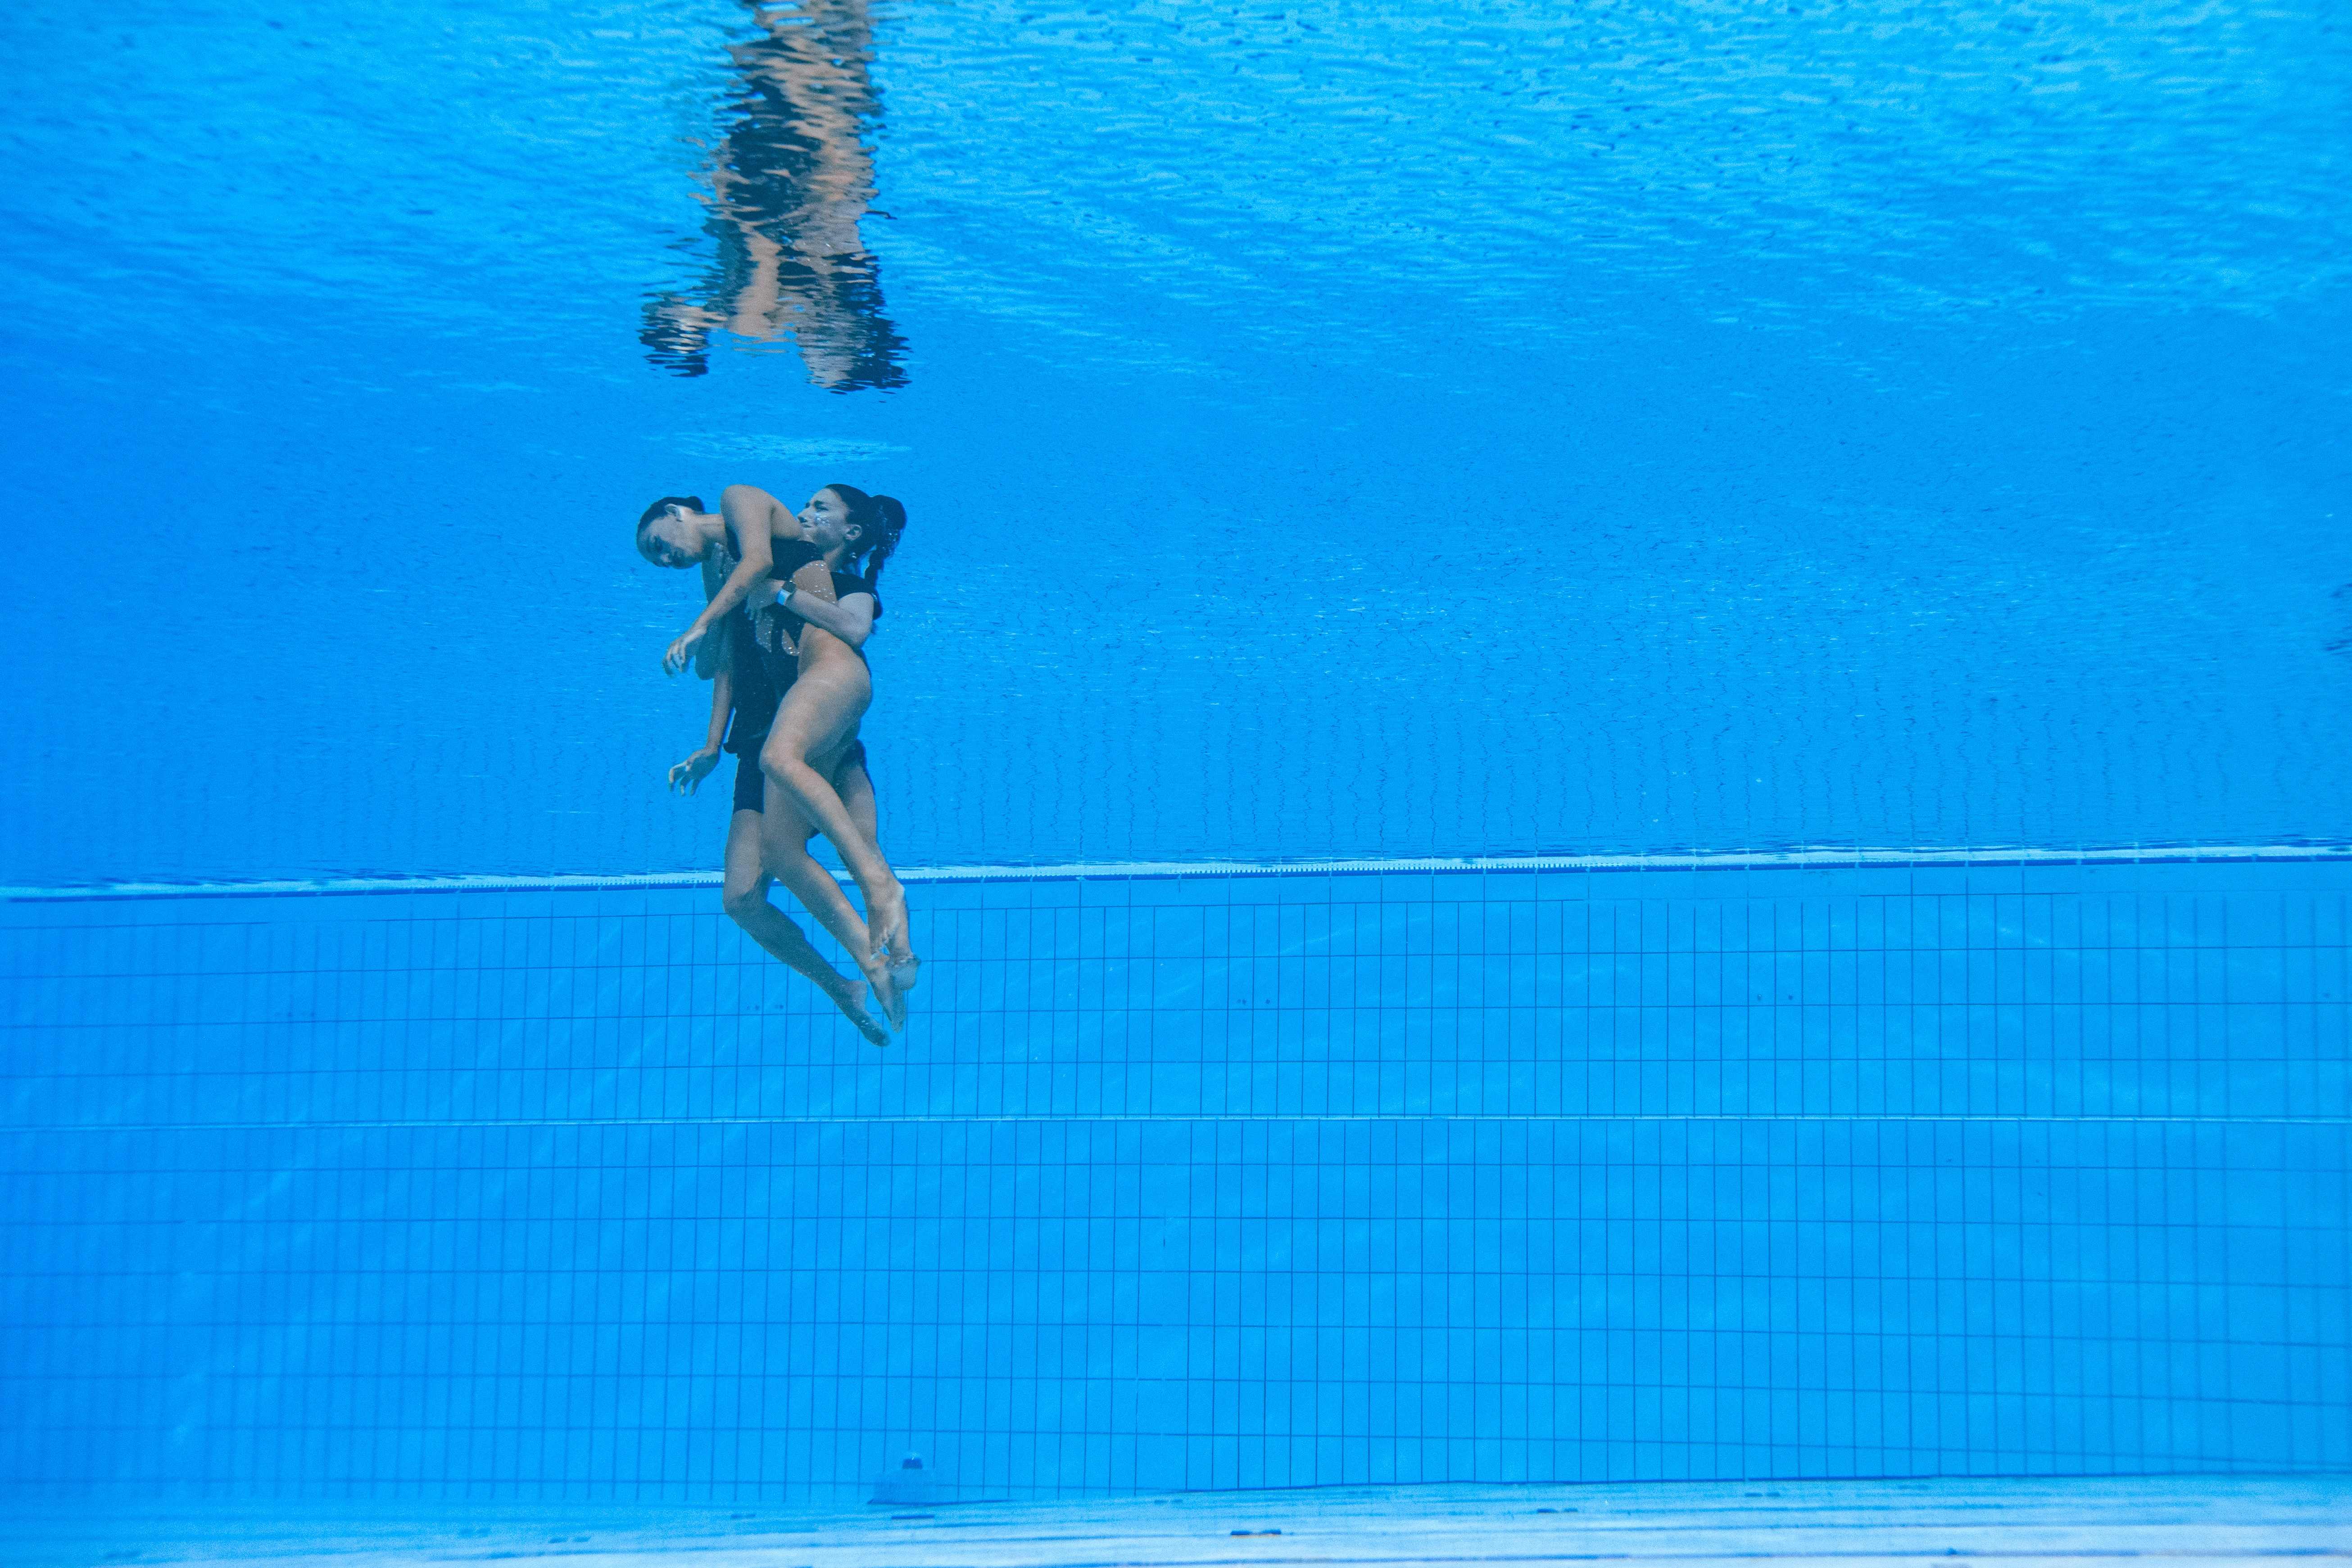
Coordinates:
(825, 522)
(669, 540)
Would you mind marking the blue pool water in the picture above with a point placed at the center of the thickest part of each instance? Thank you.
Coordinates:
(1663, 436)
(1328, 430)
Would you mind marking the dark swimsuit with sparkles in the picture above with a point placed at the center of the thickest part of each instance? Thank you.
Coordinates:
(757, 695)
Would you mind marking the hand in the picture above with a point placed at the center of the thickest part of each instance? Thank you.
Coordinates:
(681, 652)
(687, 775)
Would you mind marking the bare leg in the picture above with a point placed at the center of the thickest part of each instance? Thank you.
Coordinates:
(746, 900)
(823, 714)
(856, 787)
(819, 716)
(808, 790)
(745, 896)
(783, 853)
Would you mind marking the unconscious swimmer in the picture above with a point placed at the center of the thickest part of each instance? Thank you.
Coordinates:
(750, 654)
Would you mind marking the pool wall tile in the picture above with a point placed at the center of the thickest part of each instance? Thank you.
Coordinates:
(1183, 1182)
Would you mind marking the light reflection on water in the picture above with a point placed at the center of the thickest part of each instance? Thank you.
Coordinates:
(1541, 172)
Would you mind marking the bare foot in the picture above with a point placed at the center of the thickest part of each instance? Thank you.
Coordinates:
(851, 1000)
(877, 969)
(886, 924)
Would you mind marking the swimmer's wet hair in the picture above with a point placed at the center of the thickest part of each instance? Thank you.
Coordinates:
(691, 503)
(880, 518)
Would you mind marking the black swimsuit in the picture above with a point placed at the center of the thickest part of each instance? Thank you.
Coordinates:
(749, 631)
(783, 661)
(764, 659)
(756, 700)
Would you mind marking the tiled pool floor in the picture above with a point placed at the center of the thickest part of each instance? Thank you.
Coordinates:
(2203, 1520)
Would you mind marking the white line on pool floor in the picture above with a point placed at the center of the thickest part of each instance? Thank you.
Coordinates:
(2197, 1521)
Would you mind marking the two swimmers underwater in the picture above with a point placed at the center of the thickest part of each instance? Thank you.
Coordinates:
(781, 637)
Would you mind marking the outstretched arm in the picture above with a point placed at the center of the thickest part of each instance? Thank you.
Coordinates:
(748, 510)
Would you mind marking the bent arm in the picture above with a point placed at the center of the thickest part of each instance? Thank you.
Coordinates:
(747, 510)
(706, 653)
(850, 619)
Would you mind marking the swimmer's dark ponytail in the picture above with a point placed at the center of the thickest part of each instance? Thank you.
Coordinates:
(890, 523)
(691, 503)
(880, 520)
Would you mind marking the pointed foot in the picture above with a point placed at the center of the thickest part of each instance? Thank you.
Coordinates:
(851, 1000)
(877, 969)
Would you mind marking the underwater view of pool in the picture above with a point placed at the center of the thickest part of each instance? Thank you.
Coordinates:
(1617, 735)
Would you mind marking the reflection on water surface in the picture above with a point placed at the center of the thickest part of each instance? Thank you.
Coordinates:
(789, 181)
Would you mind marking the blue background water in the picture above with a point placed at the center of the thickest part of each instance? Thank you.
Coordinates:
(1328, 429)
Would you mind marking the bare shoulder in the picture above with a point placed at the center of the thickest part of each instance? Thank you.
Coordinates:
(755, 515)
(750, 497)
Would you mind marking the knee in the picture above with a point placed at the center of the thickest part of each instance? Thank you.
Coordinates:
(742, 902)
